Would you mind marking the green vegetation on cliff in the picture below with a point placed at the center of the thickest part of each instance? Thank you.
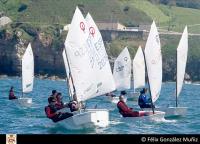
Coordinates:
(44, 13)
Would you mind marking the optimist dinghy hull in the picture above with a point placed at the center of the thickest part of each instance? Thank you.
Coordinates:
(89, 118)
(172, 111)
(175, 111)
(133, 96)
(24, 101)
(158, 115)
(115, 99)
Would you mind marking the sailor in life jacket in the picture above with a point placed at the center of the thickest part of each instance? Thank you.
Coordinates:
(53, 94)
(143, 102)
(59, 103)
(52, 111)
(11, 94)
(124, 110)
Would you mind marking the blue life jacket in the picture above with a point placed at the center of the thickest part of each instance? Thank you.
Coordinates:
(142, 100)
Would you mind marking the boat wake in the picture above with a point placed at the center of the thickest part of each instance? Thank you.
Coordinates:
(165, 120)
(195, 83)
(115, 122)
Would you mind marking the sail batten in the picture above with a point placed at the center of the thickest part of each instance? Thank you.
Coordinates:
(27, 70)
(122, 70)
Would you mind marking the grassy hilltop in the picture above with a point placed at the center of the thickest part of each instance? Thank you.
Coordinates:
(48, 16)
(128, 12)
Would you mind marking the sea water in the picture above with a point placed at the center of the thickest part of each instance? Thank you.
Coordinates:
(32, 120)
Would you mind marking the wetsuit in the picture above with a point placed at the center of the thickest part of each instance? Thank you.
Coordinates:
(51, 113)
(125, 111)
(11, 95)
(143, 102)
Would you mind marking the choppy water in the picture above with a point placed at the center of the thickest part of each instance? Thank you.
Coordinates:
(15, 119)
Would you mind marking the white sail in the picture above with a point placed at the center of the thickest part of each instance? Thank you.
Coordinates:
(27, 70)
(69, 80)
(122, 70)
(182, 51)
(139, 69)
(99, 60)
(79, 56)
(153, 58)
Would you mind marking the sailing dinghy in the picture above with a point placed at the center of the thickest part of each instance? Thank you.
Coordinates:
(27, 77)
(182, 52)
(84, 49)
(153, 63)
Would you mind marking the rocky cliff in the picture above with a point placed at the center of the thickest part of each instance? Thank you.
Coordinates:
(48, 60)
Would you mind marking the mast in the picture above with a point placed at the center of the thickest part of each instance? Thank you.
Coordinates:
(69, 90)
(70, 75)
(176, 77)
(132, 83)
(148, 82)
(22, 79)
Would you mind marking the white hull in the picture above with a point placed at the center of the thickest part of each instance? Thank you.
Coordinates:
(24, 101)
(89, 118)
(188, 82)
(175, 111)
(133, 96)
(115, 99)
(172, 111)
(157, 116)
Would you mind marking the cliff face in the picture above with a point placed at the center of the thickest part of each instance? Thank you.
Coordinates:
(47, 59)
(9, 60)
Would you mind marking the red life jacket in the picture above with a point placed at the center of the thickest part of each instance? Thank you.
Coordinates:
(123, 108)
(50, 111)
(11, 95)
(125, 111)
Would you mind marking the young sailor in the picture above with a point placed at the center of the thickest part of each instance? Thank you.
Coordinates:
(52, 111)
(125, 111)
(59, 102)
(11, 94)
(54, 93)
(143, 101)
